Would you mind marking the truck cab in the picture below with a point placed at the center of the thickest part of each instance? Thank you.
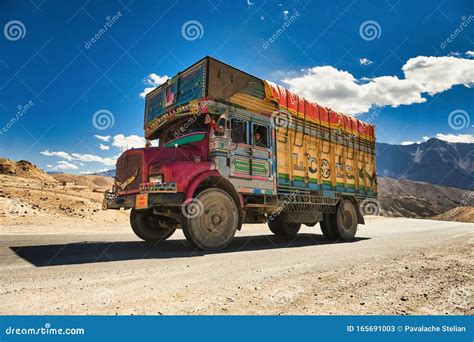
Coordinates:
(229, 152)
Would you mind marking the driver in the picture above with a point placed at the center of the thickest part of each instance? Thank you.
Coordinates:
(258, 139)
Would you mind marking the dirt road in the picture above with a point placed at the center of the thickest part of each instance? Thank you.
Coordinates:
(397, 266)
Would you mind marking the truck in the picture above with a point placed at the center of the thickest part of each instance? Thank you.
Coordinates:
(233, 149)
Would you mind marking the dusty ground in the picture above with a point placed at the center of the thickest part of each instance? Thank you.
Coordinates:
(398, 266)
(25, 201)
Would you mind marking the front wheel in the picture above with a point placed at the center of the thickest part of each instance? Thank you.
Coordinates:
(341, 225)
(210, 220)
(149, 227)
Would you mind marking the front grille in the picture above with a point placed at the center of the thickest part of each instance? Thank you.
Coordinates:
(129, 165)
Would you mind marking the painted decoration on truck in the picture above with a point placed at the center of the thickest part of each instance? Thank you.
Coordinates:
(181, 89)
(154, 104)
(170, 92)
(192, 84)
(325, 168)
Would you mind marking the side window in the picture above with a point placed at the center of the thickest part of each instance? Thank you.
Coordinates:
(260, 136)
(239, 131)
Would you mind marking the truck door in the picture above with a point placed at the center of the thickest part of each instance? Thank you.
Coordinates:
(251, 157)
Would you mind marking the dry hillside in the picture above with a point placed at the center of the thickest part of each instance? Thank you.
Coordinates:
(90, 181)
(459, 214)
(30, 196)
(24, 169)
(420, 200)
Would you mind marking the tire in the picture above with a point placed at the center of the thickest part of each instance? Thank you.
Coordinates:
(341, 225)
(280, 228)
(149, 228)
(212, 220)
(327, 227)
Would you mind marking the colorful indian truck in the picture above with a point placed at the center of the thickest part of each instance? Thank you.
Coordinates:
(235, 149)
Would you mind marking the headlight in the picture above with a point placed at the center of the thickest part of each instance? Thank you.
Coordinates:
(156, 178)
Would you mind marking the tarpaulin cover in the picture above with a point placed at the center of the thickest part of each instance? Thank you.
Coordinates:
(302, 107)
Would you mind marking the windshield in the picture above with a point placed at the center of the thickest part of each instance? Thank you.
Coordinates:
(187, 139)
(183, 129)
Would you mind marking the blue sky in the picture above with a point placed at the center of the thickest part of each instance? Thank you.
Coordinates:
(390, 63)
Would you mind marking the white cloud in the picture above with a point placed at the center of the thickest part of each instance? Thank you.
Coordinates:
(426, 138)
(119, 141)
(456, 138)
(438, 74)
(89, 172)
(341, 91)
(154, 81)
(470, 53)
(404, 143)
(127, 142)
(86, 158)
(63, 165)
(104, 138)
(365, 61)
(59, 154)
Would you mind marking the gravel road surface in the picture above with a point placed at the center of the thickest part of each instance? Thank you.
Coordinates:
(397, 266)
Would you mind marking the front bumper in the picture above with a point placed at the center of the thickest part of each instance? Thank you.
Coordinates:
(114, 201)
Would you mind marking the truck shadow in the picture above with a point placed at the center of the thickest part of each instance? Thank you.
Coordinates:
(95, 252)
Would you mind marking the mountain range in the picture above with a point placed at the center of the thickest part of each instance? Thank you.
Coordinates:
(433, 161)
(107, 173)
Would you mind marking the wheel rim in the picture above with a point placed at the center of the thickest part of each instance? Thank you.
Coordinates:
(346, 221)
(216, 225)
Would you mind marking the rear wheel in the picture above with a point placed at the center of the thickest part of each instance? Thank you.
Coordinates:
(280, 228)
(341, 225)
(210, 220)
(149, 227)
